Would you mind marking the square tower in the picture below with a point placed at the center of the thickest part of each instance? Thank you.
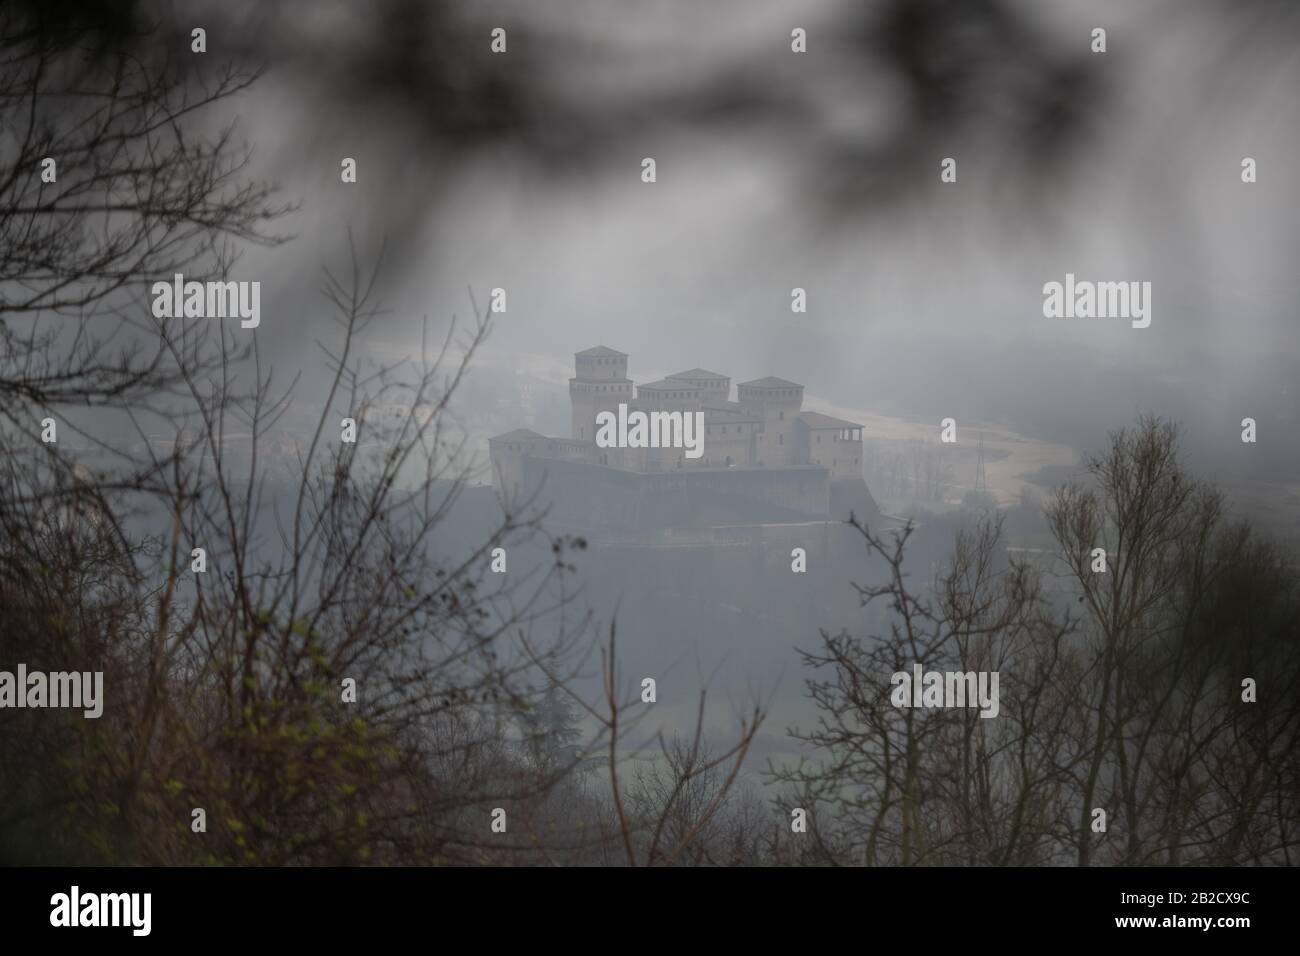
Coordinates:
(599, 384)
(777, 402)
(834, 443)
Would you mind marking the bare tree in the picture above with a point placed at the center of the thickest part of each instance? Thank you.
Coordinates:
(1141, 707)
(225, 685)
(1163, 718)
(908, 786)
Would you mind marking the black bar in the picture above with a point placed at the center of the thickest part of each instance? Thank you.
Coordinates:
(365, 906)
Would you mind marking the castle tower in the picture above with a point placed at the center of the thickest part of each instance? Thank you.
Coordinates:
(713, 386)
(777, 402)
(599, 384)
(831, 442)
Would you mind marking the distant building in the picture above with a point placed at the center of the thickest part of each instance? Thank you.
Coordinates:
(600, 381)
(763, 459)
(829, 441)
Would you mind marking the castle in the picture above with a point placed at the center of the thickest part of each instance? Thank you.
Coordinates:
(764, 458)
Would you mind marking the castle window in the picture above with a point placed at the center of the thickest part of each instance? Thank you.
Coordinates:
(781, 415)
(780, 439)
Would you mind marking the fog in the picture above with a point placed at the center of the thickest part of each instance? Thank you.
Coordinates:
(819, 171)
(775, 170)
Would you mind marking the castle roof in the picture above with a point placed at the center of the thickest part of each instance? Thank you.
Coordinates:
(770, 381)
(666, 383)
(601, 351)
(720, 413)
(696, 374)
(713, 416)
(818, 421)
(519, 434)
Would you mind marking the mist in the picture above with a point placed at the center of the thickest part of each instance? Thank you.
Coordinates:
(924, 298)
(841, 264)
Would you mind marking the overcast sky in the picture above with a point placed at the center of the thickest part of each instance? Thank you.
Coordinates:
(778, 170)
